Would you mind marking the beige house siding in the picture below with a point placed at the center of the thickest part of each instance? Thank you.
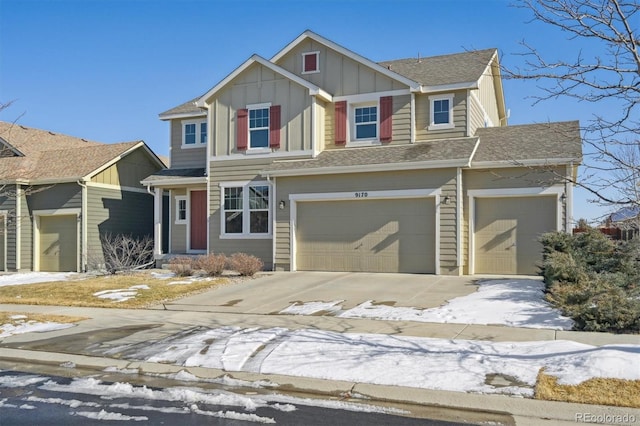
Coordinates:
(378, 181)
(423, 107)
(128, 171)
(339, 75)
(258, 84)
(476, 116)
(487, 94)
(185, 158)
(178, 231)
(114, 212)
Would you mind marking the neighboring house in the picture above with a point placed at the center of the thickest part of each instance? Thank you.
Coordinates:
(320, 159)
(59, 194)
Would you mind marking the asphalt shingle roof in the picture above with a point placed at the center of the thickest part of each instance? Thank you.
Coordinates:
(177, 174)
(188, 107)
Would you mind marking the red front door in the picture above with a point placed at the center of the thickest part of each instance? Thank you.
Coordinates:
(198, 220)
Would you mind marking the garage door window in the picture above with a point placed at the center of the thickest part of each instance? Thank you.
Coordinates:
(246, 210)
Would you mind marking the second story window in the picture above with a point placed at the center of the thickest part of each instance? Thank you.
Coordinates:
(366, 122)
(310, 62)
(259, 127)
(194, 133)
(441, 115)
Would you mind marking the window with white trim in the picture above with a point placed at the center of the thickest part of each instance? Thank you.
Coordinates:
(194, 133)
(259, 126)
(364, 119)
(246, 210)
(310, 62)
(181, 210)
(441, 112)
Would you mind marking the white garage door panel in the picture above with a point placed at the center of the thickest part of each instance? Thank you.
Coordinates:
(507, 231)
(366, 235)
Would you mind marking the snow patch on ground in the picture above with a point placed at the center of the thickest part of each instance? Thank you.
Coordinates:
(121, 294)
(7, 330)
(310, 308)
(35, 277)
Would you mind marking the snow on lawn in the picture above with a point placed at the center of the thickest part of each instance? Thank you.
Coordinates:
(514, 303)
(21, 326)
(121, 294)
(34, 277)
(442, 364)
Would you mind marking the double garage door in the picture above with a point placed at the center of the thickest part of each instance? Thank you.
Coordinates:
(385, 235)
(58, 243)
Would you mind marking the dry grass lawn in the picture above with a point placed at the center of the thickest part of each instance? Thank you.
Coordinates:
(616, 392)
(81, 292)
(17, 318)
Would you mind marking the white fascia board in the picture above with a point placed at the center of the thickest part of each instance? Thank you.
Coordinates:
(313, 89)
(518, 163)
(346, 52)
(438, 164)
(50, 181)
(174, 182)
(449, 87)
(166, 117)
(515, 192)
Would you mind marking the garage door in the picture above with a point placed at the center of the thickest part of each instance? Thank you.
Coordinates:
(58, 243)
(507, 231)
(391, 235)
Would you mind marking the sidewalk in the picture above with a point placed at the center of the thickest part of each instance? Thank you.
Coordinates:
(80, 344)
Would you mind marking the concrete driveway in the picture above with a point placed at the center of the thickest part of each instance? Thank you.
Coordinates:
(273, 292)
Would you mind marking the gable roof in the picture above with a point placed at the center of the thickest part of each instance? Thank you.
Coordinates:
(50, 156)
(187, 109)
(543, 143)
(462, 69)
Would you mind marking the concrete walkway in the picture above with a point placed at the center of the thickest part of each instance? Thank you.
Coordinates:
(256, 303)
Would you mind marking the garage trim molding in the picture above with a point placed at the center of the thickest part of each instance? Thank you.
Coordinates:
(361, 196)
(4, 214)
(507, 192)
(36, 232)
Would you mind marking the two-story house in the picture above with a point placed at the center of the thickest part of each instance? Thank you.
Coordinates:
(320, 159)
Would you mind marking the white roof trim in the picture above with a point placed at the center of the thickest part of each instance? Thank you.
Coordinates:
(182, 115)
(379, 68)
(174, 181)
(313, 89)
(518, 163)
(449, 87)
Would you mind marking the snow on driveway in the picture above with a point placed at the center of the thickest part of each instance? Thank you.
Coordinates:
(514, 303)
(441, 364)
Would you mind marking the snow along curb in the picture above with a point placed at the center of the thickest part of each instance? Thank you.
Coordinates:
(515, 406)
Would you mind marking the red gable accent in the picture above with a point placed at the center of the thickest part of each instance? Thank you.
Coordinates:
(340, 125)
(242, 132)
(386, 114)
(274, 126)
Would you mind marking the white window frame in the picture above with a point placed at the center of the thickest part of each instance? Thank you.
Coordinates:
(353, 141)
(180, 198)
(432, 100)
(199, 143)
(317, 55)
(253, 107)
(246, 212)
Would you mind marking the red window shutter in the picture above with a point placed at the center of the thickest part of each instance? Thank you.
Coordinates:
(340, 125)
(386, 113)
(274, 126)
(242, 131)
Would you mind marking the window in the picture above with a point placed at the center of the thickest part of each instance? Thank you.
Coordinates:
(441, 116)
(181, 210)
(194, 133)
(246, 210)
(310, 62)
(366, 122)
(259, 128)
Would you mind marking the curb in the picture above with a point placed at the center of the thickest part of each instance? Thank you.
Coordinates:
(528, 411)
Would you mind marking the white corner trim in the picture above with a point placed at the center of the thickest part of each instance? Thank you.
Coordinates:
(4, 214)
(18, 225)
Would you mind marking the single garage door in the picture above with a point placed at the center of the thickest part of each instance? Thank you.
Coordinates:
(58, 243)
(390, 235)
(507, 231)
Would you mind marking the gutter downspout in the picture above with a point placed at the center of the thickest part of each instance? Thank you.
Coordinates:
(157, 223)
(83, 225)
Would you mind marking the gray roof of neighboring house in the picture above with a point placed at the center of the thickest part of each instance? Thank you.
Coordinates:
(175, 174)
(444, 69)
(438, 150)
(544, 141)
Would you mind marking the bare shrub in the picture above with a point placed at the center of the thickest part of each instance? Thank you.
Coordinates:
(181, 266)
(212, 264)
(125, 253)
(245, 264)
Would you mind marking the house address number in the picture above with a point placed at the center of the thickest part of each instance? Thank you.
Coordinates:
(362, 194)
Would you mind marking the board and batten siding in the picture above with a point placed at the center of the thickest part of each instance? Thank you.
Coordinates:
(339, 75)
(445, 179)
(9, 205)
(115, 212)
(128, 171)
(185, 158)
(423, 107)
(256, 85)
(238, 171)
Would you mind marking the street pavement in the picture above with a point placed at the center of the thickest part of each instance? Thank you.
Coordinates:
(256, 303)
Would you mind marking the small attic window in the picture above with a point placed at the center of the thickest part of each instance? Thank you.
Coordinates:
(310, 62)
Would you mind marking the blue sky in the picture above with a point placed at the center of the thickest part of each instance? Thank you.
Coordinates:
(104, 70)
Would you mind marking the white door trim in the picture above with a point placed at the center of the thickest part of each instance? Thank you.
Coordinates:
(37, 214)
(362, 196)
(472, 194)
